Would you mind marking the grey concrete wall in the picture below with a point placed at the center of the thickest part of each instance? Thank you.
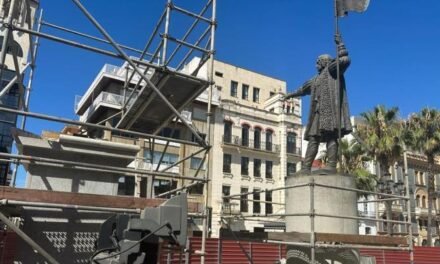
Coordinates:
(326, 200)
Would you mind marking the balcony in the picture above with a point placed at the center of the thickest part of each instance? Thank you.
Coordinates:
(104, 99)
(250, 144)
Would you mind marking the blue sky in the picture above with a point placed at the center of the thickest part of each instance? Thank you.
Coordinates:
(393, 46)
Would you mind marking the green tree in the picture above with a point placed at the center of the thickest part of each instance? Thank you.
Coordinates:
(381, 136)
(353, 161)
(422, 134)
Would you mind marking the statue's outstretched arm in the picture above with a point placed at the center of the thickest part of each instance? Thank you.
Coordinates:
(305, 89)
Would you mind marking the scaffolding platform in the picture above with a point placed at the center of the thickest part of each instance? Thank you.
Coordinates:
(147, 112)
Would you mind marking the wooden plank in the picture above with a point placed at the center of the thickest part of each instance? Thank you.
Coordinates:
(41, 196)
(319, 237)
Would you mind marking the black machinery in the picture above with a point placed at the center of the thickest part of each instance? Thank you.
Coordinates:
(134, 239)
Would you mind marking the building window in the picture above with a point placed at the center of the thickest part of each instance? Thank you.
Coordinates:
(196, 189)
(195, 163)
(271, 94)
(170, 133)
(226, 191)
(418, 200)
(269, 165)
(291, 168)
(256, 202)
(244, 91)
(227, 160)
(244, 166)
(161, 186)
(227, 133)
(218, 74)
(245, 135)
(269, 140)
(244, 206)
(367, 230)
(234, 86)
(126, 185)
(257, 138)
(167, 158)
(257, 168)
(269, 208)
(424, 201)
(291, 142)
(256, 95)
(194, 139)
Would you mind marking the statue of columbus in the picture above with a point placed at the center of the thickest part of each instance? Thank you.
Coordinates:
(323, 120)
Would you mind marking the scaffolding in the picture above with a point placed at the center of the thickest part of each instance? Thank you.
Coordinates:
(151, 75)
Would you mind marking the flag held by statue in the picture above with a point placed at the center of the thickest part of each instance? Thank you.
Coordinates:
(345, 6)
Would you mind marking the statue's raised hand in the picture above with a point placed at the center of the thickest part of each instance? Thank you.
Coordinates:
(338, 39)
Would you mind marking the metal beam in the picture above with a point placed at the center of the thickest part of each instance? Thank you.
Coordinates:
(85, 124)
(44, 23)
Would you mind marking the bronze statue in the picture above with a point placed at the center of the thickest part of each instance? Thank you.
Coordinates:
(323, 122)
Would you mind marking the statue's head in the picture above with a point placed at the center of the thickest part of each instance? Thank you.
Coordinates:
(323, 61)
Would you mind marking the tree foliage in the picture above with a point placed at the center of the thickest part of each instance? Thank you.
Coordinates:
(381, 134)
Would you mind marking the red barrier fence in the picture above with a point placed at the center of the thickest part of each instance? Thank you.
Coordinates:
(230, 252)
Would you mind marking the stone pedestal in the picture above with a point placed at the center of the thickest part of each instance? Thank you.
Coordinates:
(326, 200)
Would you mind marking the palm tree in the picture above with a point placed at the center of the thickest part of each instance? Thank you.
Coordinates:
(422, 134)
(381, 136)
(381, 133)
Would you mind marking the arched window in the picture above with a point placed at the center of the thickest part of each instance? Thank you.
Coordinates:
(245, 135)
(423, 201)
(417, 200)
(291, 142)
(257, 138)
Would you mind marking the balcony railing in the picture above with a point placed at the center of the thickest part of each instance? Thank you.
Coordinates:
(294, 151)
(110, 99)
(263, 146)
(396, 228)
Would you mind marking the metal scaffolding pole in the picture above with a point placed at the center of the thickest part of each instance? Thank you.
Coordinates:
(5, 42)
(208, 120)
(44, 23)
(408, 205)
(91, 125)
(95, 167)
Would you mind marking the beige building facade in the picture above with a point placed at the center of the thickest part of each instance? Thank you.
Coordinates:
(255, 144)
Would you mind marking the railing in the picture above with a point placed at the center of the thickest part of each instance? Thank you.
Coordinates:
(104, 97)
(294, 151)
(383, 228)
(263, 146)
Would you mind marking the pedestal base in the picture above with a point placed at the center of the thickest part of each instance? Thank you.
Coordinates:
(327, 201)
